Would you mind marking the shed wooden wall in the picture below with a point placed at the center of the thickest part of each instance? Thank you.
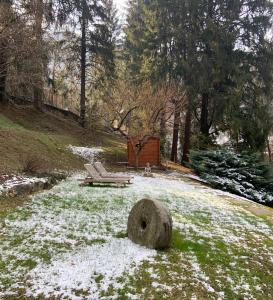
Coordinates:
(150, 153)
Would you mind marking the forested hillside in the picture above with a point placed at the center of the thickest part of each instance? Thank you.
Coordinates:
(219, 53)
(189, 71)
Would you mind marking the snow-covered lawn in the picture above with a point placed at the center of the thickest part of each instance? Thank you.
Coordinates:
(70, 243)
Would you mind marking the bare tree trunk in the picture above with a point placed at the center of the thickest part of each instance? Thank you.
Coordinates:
(163, 132)
(137, 148)
(269, 150)
(137, 159)
(187, 137)
(5, 6)
(38, 88)
(204, 122)
(83, 69)
(3, 76)
(53, 88)
(175, 132)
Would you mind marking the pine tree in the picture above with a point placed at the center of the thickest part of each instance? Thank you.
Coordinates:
(150, 55)
(217, 50)
(39, 12)
(243, 174)
(95, 38)
(5, 19)
(133, 48)
(38, 6)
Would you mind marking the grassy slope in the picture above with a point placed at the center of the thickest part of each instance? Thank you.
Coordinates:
(26, 133)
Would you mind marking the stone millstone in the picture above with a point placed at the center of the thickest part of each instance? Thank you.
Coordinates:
(150, 224)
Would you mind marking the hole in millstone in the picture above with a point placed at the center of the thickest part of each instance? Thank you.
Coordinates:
(143, 225)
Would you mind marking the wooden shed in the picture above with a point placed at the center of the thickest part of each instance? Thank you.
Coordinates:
(148, 153)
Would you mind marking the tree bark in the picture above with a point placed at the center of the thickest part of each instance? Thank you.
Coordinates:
(38, 87)
(137, 159)
(175, 132)
(204, 122)
(83, 69)
(3, 76)
(163, 132)
(5, 6)
(187, 137)
(269, 149)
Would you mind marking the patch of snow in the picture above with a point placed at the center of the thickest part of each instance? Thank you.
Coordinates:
(75, 272)
(15, 181)
(200, 275)
(87, 153)
(160, 286)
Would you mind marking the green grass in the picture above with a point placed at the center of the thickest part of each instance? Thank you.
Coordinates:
(178, 272)
(6, 123)
(26, 133)
(121, 235)
(182, 244)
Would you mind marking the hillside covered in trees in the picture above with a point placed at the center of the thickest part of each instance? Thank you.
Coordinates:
(193, 72)
(197, 74)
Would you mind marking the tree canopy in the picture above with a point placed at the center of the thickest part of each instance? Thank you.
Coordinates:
(214, 55)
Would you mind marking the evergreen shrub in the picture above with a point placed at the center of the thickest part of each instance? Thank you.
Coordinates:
(243, 174)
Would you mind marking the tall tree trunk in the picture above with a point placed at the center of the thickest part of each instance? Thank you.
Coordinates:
(269, 149)
(204, 122)
(187, 137)
(83, 69)
(175, 132)
(137, 159)
(53, 87)
(3, 74)
(163, 132)
(5, 6)
(38, 88)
